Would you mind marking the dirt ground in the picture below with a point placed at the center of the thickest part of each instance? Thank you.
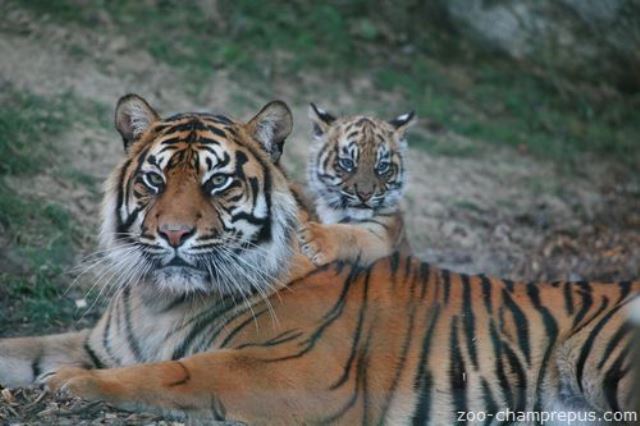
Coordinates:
(498, 211)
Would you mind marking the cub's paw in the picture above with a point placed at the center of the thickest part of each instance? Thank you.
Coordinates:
(317, 244)
(76, 381)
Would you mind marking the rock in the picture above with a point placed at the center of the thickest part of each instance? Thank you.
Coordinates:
(591, 39)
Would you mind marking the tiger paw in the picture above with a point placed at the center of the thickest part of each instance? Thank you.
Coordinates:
(75, 381)
(317, 244)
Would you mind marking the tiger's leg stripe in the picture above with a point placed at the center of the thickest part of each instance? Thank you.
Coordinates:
(184, 380)
(551, 328)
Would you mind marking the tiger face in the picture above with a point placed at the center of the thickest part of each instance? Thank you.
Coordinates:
(199, 203)
(356, 167)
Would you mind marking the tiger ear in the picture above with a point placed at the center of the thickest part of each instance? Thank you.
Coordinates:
(271, 126)
(402, 122)
(133, 117)
(321, 120)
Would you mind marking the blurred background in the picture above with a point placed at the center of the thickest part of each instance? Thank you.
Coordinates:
(524, 162)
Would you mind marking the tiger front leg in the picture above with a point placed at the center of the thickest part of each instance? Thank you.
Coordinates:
(24, 359)
(325, 243)
(319, 243)
(218, 386)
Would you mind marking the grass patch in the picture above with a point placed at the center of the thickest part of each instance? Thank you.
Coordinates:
(39, 236)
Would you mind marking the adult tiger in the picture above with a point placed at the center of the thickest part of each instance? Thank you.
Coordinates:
(357, 176)
(194, 215)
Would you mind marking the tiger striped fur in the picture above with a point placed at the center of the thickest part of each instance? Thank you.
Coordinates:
(394, 342)
(356, 174)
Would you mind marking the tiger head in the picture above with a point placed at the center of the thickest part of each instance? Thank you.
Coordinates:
(356, 167)
(199, 203)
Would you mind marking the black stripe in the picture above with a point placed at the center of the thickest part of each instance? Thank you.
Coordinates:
(521, 378)
(469, 320)
(185, 379)
(457, 371)
(424, 380)
(587, 302)
(107, 331)
(331, 316)
(240, 326)
(613, 343)
(551, 329)
(499, 367)
(131, 339)
(612, 379)
(568, 297)
(92, 355)
(356, 339)
(486, 293)
(490, 406)
(285, 337)
(399, 367)
(424, 278)
(521, 325)
(446, 282)
(586, 347)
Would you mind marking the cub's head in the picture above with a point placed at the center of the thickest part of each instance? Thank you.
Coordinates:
(357, 164)
(199, 204)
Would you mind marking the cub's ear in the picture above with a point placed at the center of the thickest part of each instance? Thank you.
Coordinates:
(271, 126)
(402, 122)
(321, 120)
(133, 117)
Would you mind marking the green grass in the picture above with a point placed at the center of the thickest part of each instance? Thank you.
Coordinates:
(41, 235)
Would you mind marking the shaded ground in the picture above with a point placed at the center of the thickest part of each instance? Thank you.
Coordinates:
(497, 197)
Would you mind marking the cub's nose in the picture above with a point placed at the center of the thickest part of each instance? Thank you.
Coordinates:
(175, 234)
(364, 195)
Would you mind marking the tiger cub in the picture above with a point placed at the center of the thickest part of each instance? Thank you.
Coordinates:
(357, 177)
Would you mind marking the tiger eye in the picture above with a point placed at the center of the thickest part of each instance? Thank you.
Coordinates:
(154, 179)
(218, 180)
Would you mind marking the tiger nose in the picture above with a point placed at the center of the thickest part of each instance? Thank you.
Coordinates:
(175, 234)
(364, 195)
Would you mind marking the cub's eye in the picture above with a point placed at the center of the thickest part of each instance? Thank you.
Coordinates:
(153, 180)
(218, 182)
(383, 167)
(346, 164)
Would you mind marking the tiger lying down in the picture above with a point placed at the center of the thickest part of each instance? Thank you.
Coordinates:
(202, 221)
